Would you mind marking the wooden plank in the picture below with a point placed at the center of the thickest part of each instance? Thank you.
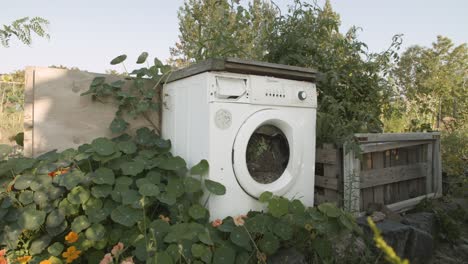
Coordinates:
(410, 203)
(378, 163)
(326, 182)
(327, 156)
(437, 173)
(351, 189)
(382, 146)
(28, 123)
(392, 174)
(386, 137)
(429, 173)
(367, 195)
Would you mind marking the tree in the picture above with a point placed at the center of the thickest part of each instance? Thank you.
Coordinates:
(220, 28)
(22, 28)
(433, 82)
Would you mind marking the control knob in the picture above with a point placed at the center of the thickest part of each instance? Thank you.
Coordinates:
(302, 95)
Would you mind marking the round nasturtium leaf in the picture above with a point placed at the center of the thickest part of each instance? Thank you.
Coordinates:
(283, 230)
(103, 146)
(55, 249)
(38, 245)
(104, 176)
(41, 198)
(118, 125)
(215, 187)
(329, 209)
(126, 216)
(132, 167)
(201, 168)
(101, 191)
(142, 58)
(296, 207)
(173, 164)
(148, 189)
(130, 197)
(95, 232)
(197, 211)
(118, 59)
(163, 257)
(268, 244)
(127, 147)
(240, 237)
(80, 223)
(26, 197)
(78, 195)
(175, 187)
(192, 185)
(31, 219)
(278, 206)
(24, 181)
(67, 208)
(55, 218)
(224, 255)
(265, 197)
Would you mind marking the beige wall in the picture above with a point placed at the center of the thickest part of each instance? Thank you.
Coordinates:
(57, 117)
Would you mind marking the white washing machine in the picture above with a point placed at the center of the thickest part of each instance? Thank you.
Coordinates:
(257, 132)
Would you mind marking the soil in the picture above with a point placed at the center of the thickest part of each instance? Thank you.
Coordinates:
(267, 154)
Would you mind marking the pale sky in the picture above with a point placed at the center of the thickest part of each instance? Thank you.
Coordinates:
(88, 34)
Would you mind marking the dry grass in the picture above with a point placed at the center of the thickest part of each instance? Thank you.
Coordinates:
(10, 125)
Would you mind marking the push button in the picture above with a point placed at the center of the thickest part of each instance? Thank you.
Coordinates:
(302, 95)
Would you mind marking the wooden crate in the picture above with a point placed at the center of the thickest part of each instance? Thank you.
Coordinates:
(397, 170)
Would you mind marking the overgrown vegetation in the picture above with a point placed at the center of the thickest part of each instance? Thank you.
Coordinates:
(11, 105)
(22, 28)
(77, 204)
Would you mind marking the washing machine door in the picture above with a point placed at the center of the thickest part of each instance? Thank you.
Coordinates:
(267, 154)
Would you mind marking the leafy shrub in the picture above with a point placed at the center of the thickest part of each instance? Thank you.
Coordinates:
(77, 204)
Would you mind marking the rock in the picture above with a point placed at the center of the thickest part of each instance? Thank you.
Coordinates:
(287, 255)
(419, 247)
(378, 207)
(423, 221)
(378, 216)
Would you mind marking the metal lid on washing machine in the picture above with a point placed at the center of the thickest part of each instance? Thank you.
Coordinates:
(246, 67)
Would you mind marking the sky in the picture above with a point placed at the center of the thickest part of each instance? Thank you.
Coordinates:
(89, 33)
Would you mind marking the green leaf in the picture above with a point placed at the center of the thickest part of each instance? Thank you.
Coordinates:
(101, 191)
(205, 237)
(175, 187)
(118, 125)
(132, 167)
(197, 211)
(5, 150)
(173, 164)
(130, 197)
(55, 249)
(224, 255)
(283, 230)
(26, 197)
(70, 180)
(80, 223)
(67, 208)
(192, 185)
(31, 219)
(278, 206)
(103, 146)
(201, 168)
(38, 245)
(126, 216)
(167, 198)
(265, 197)
(142, 58)
(22, 164)
(163, 258)
(118, 59)
(296, 207)
(95, 232)
(330, 210)
(78, 195)
(104, 176)
(202, 252)
(97, 81)
(41, 198)
(260, 223)
(23, 181)
(215, 187)
(268, 244)
(323, 248)
(128, 147)
(148, 189)
(240, 237)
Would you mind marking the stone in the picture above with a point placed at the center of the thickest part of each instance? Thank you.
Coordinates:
(378, 216)
(419, 247)
(287, 255)
(423, 220)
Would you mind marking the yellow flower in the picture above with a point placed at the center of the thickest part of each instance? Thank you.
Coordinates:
(380, 243)
(46, 261)
(23, 259)
(72, 237)
(308, 227)
(71, 254)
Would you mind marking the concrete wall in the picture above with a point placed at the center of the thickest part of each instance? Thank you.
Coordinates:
(57, 117)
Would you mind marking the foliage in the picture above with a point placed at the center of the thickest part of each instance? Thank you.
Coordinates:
(22, 28)
(380, 243)
(433, 82)
(352, 86)
(136, 99)
(213, 28)
(11, 105)
(79, 203)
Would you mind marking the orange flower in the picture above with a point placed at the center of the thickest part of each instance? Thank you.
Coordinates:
(59, 171)
(164, 218)
(71, 254)
(72, 237)
(239, 220)
(46, 261)
(2, 252)
(23, 259)
(3, 260)
(217, 223)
